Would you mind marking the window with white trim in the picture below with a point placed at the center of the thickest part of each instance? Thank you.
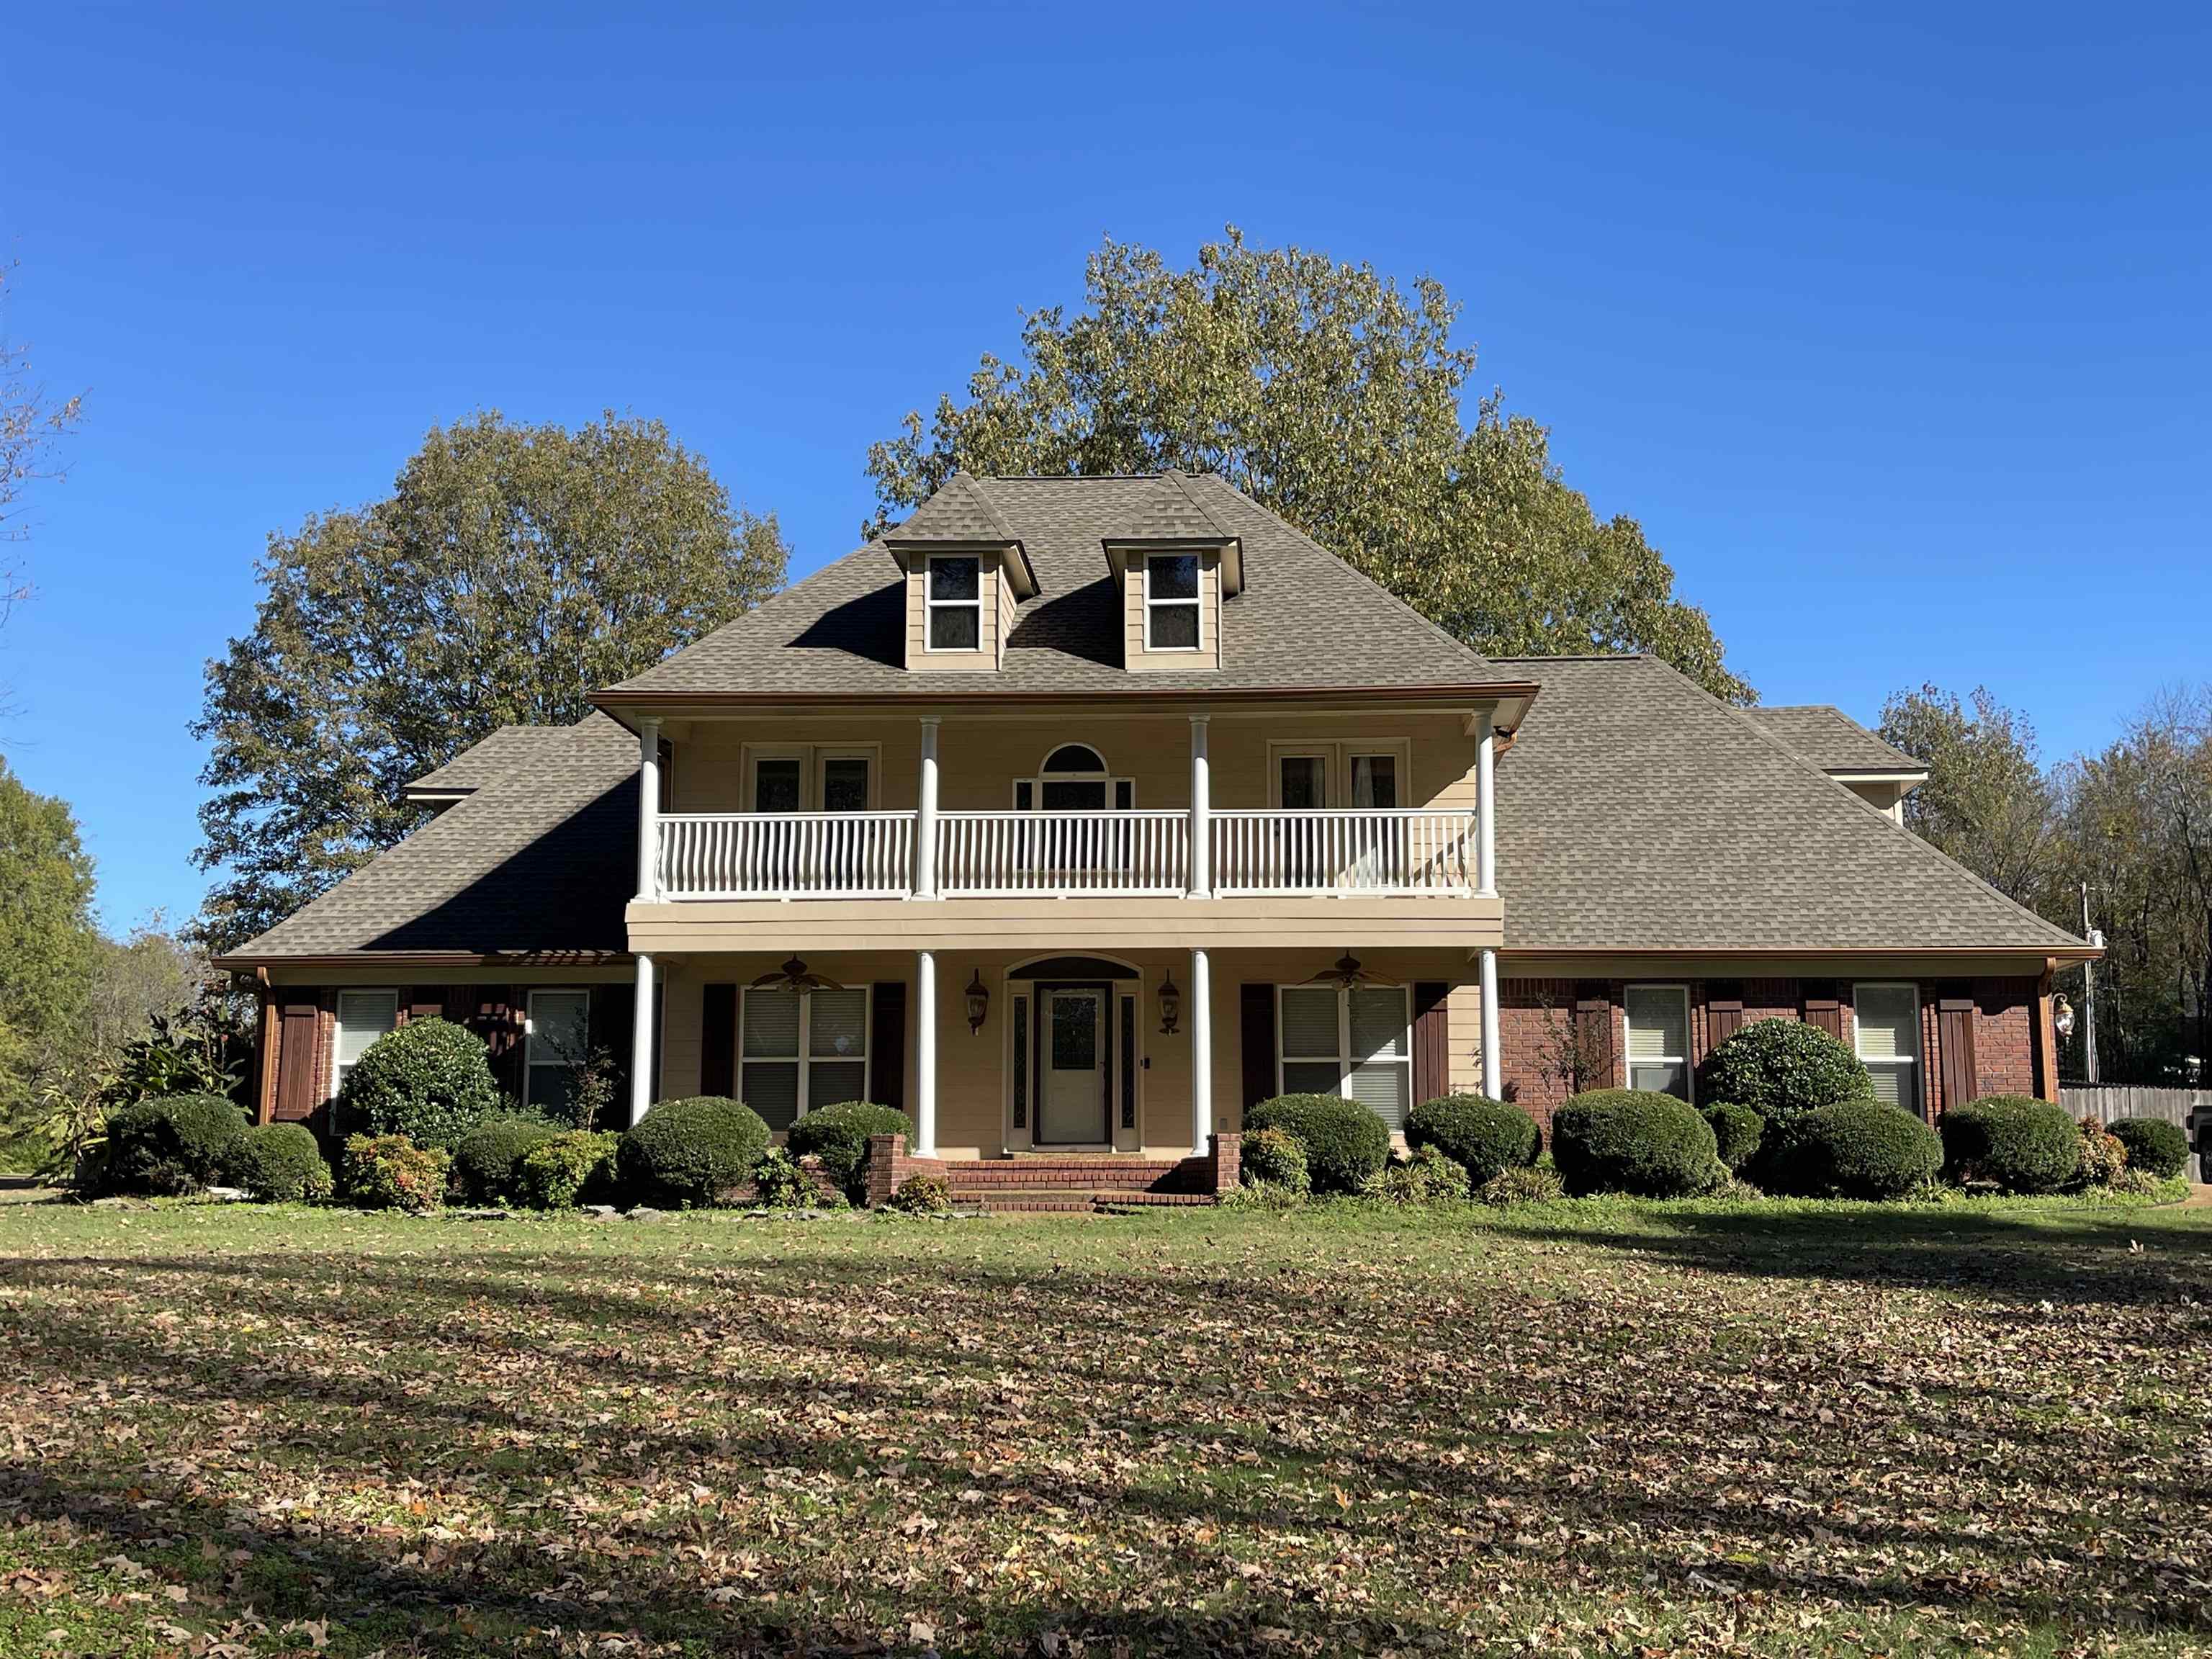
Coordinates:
(799, 1050)
(1885, 1019)
(1171, 603)
(1354, 1041)
(363, 1017)
(954, 600)
(1659, 1038)
(558, 1036)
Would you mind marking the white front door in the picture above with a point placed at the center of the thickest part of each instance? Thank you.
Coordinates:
(1072, 1111)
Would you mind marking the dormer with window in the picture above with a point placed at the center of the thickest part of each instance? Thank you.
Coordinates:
(1175, 568)
(965, 572)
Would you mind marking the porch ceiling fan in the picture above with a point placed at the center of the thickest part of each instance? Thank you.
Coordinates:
(1345, 970)
(794, 976)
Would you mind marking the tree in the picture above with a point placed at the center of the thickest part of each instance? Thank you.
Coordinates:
(1986, 802)
(1333, 397)
(512, 571)
(47, 940)
(31, 424)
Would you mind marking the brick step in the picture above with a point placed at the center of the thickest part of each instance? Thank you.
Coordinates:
(1062, 1178)
(1047, 1202)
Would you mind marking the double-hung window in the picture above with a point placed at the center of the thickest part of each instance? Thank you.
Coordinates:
(1354, 1041)
(954, 602)
(1886, 1018)
(799, 1050)
(1171, 605)
(1659, 1038)
(558, 1040)
(363, 1017)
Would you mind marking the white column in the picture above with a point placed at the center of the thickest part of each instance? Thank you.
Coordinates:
(1493, 1068)
(1201, 809)
(641, 1043)
(1201, 1051)
(925, 815)
(1485, 810)
(649, 809)
(925, 1062)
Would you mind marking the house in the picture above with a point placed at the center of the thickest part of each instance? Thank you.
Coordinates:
(1075, 815)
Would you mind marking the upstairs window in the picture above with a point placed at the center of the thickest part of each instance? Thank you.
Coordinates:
(1171, 607)
(1888, 1018)
(956, 604)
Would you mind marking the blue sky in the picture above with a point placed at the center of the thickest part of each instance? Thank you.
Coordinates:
(1891, 325)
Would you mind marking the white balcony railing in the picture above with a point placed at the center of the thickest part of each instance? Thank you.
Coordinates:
(707, 856)
(1059, 855)
(1362, 850)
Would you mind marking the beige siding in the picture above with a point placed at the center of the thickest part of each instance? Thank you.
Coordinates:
(921, 659)
(1136, 657)
(1463, 1015)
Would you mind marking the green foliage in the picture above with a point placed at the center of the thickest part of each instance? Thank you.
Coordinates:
(512, 571)
(1529, 1185)
(488, 1160)
(2102, 1157)
(281, 1163)
(1736, 1130)
(179, 1144)
(1858, 1149)
(687, 1154)
(1781, 1068)
(2155, 1146)
(780, 1184)
(1485, 1137)
(47, 942)
(923, 1194)
(1332, 397)
(573, 1167)
(1429, 1176)
(428, 1080)
(838, 1135)
(1346, 1144)
(391, 1172)
(1986, 802)
(1274, 1158)
(2019, 1143)
(1629, 1140)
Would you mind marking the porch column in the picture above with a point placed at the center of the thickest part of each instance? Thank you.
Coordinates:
(1493, 1061)
(641, 1042)
(1486, 809)
(924, 817)
(1201, 1051)
(1201, 809)
(648, 811)
(925, 1063)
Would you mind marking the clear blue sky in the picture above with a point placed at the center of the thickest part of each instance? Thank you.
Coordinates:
(1891, 326)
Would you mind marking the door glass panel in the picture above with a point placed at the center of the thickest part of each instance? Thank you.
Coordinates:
(1075, 794)
(776, 785)
(1303, 780)
(1075, 1034)
(845, 783)
(1375, 781)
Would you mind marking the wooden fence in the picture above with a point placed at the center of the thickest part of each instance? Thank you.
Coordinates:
(2106, 1101)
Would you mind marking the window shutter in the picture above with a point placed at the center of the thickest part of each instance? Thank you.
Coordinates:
(1824, 1008)
(299, 1046)
(1954, 1048)
(718, 1040)
(1723, 1013)
(887, 1046)
(1593, 1033)
(1431, 1041)
(1256, 1005)
(426, 1002)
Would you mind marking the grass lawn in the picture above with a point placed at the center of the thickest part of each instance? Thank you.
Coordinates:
(1596, 1428)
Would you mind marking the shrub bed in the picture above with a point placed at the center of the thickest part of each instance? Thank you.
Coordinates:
(1346, 1144)
(1485, 1137)
(2020, 1144)
(1628, 1140)
(1781, 1068)
(1274, 1158)
(177, 1144)
(688, 1153)
(923, 1194)
(429, 1080)
(2154, 1146)
(780, 1184)
(1736, 1133)
(1531, 1186)
(1429, 1176)
(838, 1135)
(488, 1163)
(281, 1163)
(1858, 1149)
(573, 1167)
(391, 1172)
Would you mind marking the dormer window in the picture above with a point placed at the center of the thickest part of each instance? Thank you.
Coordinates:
(1171, 603)
(956, 603)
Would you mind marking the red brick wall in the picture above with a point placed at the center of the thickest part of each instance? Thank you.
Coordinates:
(2004, 1036)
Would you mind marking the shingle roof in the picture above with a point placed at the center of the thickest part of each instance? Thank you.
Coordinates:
(1831, 740)
(1170, 513)
(1636, 811)
(1306, 619)
(483, 761)
(958, 512)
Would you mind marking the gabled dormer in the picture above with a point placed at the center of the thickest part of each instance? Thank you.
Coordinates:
(965, 572)
(1174, 565)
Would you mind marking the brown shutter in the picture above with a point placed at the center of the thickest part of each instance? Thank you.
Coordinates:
(299, 1056)
(887, 1044)
(611, 1029)
(718, 1041)
(427, 1002)
(1824, 1008)
(1593, 1031)
(1431, 1041)
(1954, 1048)
(1256, 1009)
(1723, 1013)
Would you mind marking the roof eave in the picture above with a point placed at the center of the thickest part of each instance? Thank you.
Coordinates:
(1013, 556)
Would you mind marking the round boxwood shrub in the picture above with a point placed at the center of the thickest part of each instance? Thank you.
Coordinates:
(1485, 1137)
(281, 1163)
(1345, 1142)
(1781, 1067)
(487, 1164)
(2155, 1145)
(1859, 1149)
(2015, 1141)
(838, 1135)
(1736, 1131)
(429, 1080)
(175, 1143)
(1629, 1140)
(563, 1170)
(1274, 1158)
(687, 1153)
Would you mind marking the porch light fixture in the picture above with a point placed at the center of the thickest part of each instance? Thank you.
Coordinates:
(2062, 1018)
(979, 1002)
(1170, 1004)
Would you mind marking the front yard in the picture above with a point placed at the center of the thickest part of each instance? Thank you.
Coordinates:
(1596, 1427)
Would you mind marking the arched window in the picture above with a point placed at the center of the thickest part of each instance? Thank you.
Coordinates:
(1074, 757)
(1074, 778)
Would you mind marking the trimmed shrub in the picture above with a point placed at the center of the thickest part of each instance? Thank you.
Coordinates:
(177, 1144)
(686, 1154)
(565, 1169)
(1781, 1068)
(1485, 1137)
(2153, 1145)
(838, 1135)
(391, 1172)
(1736, 1131)
(1510, 1187)
(780, 1184)
(923, 1194)
(2018, 1143)
(2100, 1158)
(1274, 1158)
(429, 1080)
(281, 1163)
(1858, 1149)
(487, 1164)
(1629, 1140)
(1346, 1144)
(1427, 1177)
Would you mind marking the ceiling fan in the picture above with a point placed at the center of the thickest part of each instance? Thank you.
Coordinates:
(1345, 970)
(794, 976)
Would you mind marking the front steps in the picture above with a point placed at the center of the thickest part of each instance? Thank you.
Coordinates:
(1038, 1184)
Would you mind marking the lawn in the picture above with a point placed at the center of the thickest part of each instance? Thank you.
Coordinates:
(1596, 1428)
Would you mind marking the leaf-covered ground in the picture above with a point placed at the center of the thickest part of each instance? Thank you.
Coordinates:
(1590, 1428)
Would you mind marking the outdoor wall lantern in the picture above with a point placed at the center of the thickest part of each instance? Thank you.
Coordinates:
(1170, 1004)
(979, 1002)
(2062, 1018)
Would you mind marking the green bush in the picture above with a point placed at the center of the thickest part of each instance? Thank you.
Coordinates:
(281, 1163)
(391, 1172)
(2101, 1155)
(2016, 1142)
(177, 1144)
(1274, 1158)
(687, 1154)
(1346, 1144)
(923, 1194)
(562, 1170)
(1782, 1068)
(1510, 1187)
(1736, 1131)
(1429, 1176)
(2160, 1148)
(487, 1164)
(1858, 1149)
(1628, 1140)
(838, 1135)
(429, 1080)
(780, 1184)
(1485, 1137)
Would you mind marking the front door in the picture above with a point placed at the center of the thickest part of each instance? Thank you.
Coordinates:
(1072, 1108)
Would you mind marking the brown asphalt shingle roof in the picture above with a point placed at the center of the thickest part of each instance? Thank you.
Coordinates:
(1832, 740)
(958, 512)
(490, 757)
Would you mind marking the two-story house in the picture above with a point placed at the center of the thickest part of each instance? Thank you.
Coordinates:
(1078, 814)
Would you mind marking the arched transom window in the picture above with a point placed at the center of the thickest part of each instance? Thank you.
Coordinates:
(1074, 778)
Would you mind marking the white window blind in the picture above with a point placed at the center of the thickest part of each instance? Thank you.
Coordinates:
(1354, 1042)
(363, 1017)
(1659, 1038)
(801, 1051)
(559, 1035)
(1886, 1018)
